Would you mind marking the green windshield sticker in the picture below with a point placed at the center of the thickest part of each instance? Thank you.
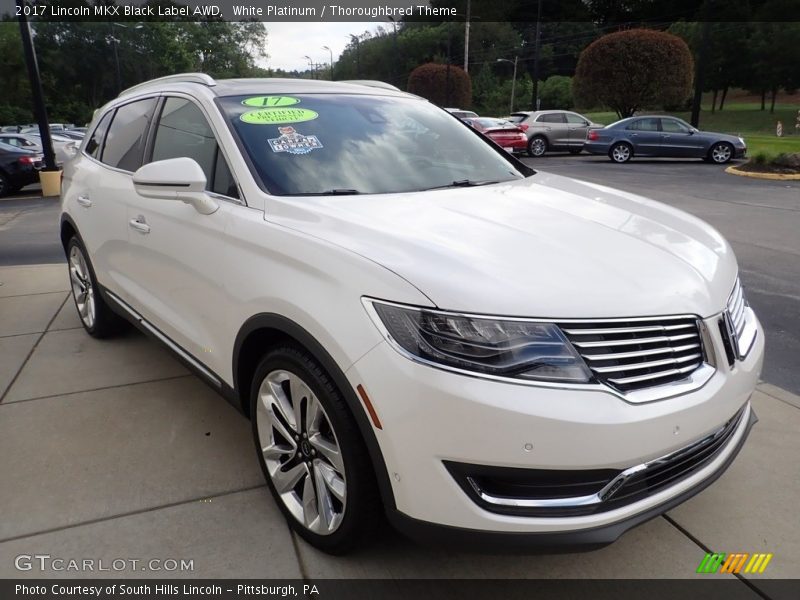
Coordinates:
(269, 101)
(278, 116)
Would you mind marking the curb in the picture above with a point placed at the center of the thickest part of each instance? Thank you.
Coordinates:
(775, 176)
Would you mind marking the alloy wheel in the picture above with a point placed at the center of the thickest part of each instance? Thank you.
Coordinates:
(721, 153)
(621, 153)
(301, 452)
(82, 288)
(538, 147)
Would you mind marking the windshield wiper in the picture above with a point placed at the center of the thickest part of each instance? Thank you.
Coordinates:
(462, 183)
(333, 192)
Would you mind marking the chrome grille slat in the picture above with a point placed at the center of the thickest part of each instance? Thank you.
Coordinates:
(657, 375)
(650, 364)
(635, 341)
(611, 330)
(635, 354)
(638, 353)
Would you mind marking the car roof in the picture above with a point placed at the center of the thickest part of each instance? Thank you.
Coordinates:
(264, 85)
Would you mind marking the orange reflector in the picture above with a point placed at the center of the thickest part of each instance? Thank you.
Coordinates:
(370, 409)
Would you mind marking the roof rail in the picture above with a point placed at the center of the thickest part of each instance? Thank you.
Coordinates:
(201, 78)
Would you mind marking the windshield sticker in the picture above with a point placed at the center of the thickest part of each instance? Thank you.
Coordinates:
(277, 116)
(270, 101)
(294, 143)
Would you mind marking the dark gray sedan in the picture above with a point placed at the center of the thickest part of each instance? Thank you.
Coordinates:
(662, 136)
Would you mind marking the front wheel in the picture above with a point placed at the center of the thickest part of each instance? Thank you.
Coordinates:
(311, 452)
(720, 153)
(621, 152)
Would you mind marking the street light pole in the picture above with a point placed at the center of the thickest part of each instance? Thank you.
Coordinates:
(310, 66)
(466, 38)
(536, 55)
(513, 80)
(331, 51)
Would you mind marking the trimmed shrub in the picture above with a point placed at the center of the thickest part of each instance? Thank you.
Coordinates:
(434, 82)
(635, 69)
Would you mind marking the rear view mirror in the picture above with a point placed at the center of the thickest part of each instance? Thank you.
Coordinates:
(175, 179)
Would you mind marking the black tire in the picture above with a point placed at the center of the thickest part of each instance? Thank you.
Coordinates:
(537, 146)
(5, 186)
(104, 322)
(362, 511)
(621, 152)
(720, 153)
(575, 150)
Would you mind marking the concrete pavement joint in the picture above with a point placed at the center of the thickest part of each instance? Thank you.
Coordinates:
(706, 549)
(132, 513)
(107, 387)
(35, 345)
(301, 566)
(773, 396)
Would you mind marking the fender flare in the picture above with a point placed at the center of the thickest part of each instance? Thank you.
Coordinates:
(290, 328)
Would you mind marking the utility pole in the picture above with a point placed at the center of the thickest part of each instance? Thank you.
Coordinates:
(700, 73)
(513, 81)
(331, 51)
(536, 55)
(396, 60)
(466, 37)
(447, 72)
(39, 108)
(357, 42)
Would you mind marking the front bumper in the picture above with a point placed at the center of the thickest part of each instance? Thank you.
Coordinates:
(431, 417)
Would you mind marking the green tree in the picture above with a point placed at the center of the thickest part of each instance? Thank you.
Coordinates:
(634, 69)
(556, 92)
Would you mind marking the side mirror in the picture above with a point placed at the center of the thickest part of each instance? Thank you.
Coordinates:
(175, 179)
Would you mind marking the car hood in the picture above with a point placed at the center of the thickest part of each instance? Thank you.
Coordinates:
(546, 246)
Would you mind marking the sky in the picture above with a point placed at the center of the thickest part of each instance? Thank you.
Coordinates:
(287, 43)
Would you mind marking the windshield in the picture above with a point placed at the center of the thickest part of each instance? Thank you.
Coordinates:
(329, 144)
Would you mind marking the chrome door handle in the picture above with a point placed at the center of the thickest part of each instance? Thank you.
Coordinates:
(139, 225)
(84, 201)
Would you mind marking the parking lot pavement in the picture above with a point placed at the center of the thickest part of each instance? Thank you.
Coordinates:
(111, 450)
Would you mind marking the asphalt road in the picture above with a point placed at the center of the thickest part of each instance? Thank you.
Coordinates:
(760, 218)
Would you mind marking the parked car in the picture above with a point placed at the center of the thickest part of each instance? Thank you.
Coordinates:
(503, 133)
(18, 168)
(554, 130)
(416, 322)
(10, 128)
(663, 136)
(462, 114)
(64, 147)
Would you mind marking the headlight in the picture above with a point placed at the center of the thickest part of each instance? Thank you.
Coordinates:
(517, 349)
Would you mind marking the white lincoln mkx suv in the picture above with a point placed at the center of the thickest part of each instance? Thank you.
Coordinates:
(416, 323)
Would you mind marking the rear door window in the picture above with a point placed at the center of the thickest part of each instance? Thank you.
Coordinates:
(644, 125)
(551, 118)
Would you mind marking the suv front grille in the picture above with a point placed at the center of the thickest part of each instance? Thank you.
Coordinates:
(738, 326)
(637, 354)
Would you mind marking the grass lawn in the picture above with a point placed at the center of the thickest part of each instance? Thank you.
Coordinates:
(757, 127)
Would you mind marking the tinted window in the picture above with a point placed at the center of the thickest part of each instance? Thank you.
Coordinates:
(673, 126)
(551, 118)
(124, 145)
(644, 125)
(95, 141)
(517, 118)
(575, 119)
(340, 143)
(183, 131)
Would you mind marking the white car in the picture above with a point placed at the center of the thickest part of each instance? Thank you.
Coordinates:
(416, 323)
